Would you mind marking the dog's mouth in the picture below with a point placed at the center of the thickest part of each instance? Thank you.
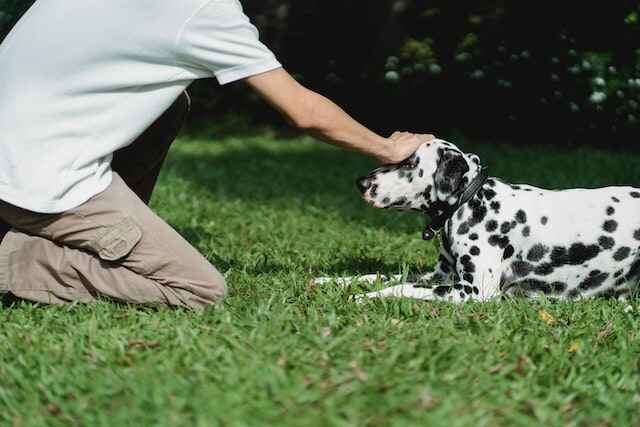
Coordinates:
(369, 190)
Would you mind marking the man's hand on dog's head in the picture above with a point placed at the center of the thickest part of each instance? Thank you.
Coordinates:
(401, 146)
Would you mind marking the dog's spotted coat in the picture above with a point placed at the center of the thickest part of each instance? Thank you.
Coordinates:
(511, 239)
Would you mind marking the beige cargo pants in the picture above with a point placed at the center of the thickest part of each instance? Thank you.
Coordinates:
(113, 246)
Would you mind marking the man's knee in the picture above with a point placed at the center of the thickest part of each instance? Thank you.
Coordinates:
(208, 292)
(217, 288)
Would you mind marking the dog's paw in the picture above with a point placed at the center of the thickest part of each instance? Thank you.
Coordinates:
(319, 281)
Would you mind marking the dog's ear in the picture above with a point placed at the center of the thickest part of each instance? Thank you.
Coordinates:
(449, 175)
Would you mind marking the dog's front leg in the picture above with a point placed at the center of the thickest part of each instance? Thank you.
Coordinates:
(459, 292)
(441, 273)
(405, 290)
(369, 279)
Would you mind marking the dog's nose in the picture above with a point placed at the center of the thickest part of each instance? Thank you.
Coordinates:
(363, 184)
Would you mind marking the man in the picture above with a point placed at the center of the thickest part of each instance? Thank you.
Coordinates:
(92, 94)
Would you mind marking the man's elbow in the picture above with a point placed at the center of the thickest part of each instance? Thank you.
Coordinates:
(307, 117)
(304, 123)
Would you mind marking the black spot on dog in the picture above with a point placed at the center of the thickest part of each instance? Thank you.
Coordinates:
(618, 274)
(573, 294)
(615, 199)
(460, 212)
(497, 240)
(594, 280)
(475, 251)
(489, 194)
(606, 242)
(610, 226)
(505, 227)
(374, 191)
(635, 194)
(634, 271)
(622, 253)
(443, 263)
(468, 289)
(400, 202)
(544, 269)
(421, 173)
(521, 216)
(537, 252)
(544, 220)
(526, 231)
(441, 291)
(610, 210)
(473, 236)
(463, 228)
(467, 277)
(636, 234)
(492, 225)
(478, 215)
(457, 287)
(495, 206)
(577, 254)
(386, 200)
(515, 187)
(521, 268)
(621, 281)
(467, 264)
(508, 252)
(491, 182)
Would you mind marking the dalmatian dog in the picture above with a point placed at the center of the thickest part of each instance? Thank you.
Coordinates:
(500, 239)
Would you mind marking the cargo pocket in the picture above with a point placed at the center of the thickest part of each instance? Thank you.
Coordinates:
(118, 240)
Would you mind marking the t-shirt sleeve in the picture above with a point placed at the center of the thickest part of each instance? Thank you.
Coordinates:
(219, 38)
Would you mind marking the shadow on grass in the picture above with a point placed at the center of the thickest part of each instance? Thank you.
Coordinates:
(358, 264)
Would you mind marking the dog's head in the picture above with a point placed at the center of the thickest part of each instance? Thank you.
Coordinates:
(435, 175)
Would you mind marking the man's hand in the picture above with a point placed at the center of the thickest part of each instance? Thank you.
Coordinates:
(401, 145)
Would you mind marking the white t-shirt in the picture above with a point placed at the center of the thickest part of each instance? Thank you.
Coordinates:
(80, 79)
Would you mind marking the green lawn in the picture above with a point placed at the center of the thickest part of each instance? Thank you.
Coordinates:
(271, 215)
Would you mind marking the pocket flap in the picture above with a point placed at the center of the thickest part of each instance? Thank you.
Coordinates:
(119, 240)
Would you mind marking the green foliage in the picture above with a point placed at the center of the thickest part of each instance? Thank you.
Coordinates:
(272, 214)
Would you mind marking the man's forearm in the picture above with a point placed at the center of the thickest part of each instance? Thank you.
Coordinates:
(317, 115)
(330, 123)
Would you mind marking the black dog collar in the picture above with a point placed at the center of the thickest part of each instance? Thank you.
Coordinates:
(440, 217)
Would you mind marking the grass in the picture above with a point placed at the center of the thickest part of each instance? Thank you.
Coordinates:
(272, 214)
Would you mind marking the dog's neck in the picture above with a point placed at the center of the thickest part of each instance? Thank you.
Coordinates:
(441, 212)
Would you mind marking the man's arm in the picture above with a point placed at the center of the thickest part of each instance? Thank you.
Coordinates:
(314, 114)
